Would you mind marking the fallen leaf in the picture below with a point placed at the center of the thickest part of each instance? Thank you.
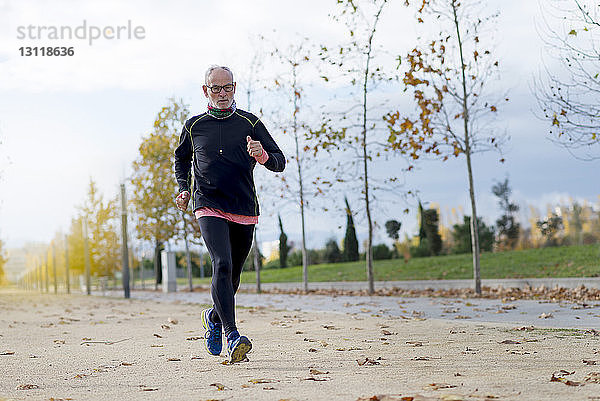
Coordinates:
(126, 364)
(509, 342)
(312, 350)
(157, 335)
(525, 328)
(593, 377)
(27, 386)
(367, 361)
(317, 372)
(173, 321)
(219, 386)
(164, 326)
(560, 377)
(7, 353)
(437, 386)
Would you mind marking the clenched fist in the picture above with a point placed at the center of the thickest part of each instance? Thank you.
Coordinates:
(255, 149)
(182, 200)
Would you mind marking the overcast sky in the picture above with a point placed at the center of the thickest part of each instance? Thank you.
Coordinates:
(66, 119)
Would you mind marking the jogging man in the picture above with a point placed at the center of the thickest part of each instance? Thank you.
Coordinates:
(223, 145)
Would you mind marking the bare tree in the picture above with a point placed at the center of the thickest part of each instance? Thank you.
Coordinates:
(295, 58)
(449, 77)
(568, 90)
(353, 130)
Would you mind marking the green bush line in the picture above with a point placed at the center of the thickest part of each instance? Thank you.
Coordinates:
(567, 261)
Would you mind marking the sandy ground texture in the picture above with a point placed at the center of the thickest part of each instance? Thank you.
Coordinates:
(94, 348)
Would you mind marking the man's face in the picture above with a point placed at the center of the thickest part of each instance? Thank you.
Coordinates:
(222, 99)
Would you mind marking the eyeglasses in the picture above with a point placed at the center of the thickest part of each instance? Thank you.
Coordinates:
(217, 88)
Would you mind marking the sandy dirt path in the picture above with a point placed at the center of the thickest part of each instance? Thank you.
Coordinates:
(94, 348)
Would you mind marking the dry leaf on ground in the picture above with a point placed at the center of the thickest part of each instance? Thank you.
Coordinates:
(437, 386)
(367, 361)
(560, 377)
(593, 377)
(219, 386)
(27, 386)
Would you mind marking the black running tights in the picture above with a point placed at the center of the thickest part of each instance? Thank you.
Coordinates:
(228, 244)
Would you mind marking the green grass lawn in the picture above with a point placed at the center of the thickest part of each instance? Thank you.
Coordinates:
(570, 261)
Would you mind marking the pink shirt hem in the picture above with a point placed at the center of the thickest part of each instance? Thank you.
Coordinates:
(235, 218)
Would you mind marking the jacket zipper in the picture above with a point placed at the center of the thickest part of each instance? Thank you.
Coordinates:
(220, 138)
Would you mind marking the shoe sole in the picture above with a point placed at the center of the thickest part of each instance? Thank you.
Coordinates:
(205, 326)
(241, 349)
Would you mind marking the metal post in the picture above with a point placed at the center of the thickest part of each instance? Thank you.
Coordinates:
(124, 250)
(67, 274)
(86, 252)
(131, 266)
(142, 271)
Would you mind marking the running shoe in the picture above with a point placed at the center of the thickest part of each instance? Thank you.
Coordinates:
(212, 336)
(237, 348)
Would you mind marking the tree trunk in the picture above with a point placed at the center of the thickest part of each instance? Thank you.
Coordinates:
(474, 225)
(365, 160)
(301, 187)
(256, 263)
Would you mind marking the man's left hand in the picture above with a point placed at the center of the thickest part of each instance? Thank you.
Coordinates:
(255, 149)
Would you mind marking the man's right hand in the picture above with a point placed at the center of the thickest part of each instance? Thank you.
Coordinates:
(182, 200)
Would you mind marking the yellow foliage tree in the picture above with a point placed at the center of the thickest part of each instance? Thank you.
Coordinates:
(154, 188)
(103, 239)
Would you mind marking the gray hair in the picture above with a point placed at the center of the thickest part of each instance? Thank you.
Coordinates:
(216, 67)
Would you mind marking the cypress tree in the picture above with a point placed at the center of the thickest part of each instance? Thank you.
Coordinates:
(350, 253)
(429, 234)
(284, 249)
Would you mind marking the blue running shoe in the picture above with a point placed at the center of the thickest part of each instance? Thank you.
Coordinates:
(237, 348)
(212, 336)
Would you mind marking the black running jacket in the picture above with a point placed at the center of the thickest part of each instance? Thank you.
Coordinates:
(223, 169)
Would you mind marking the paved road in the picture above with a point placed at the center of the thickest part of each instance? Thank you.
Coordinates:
(521, 312)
